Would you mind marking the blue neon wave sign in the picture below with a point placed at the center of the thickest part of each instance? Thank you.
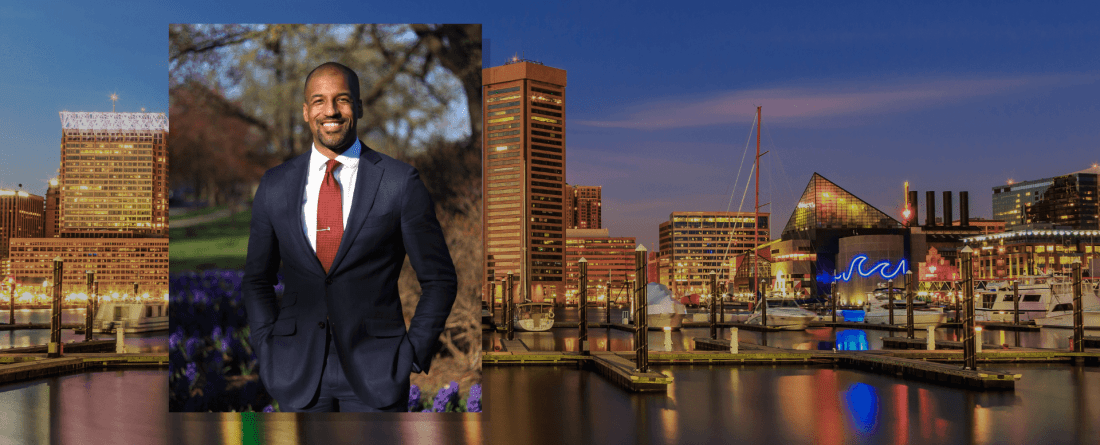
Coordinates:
(856, 265)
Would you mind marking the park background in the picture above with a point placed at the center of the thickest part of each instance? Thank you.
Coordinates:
(235, 93)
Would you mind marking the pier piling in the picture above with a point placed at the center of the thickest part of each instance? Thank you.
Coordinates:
(510, 308)
(90, 275)
(54, 350)
(1078, 315)
(713, 304)
(582, 336)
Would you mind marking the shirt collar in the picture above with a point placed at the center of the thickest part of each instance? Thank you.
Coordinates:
(349, 158)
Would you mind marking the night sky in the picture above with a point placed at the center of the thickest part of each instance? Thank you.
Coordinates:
(661, 95)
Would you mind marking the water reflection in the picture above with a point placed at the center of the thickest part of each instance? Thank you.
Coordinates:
(851, 340)
(112, 407)
(862, 404)
(788, 404)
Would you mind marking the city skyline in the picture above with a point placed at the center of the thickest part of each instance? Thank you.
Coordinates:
(950, 97)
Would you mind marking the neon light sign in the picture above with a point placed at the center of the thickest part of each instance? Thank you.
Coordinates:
(856, 265)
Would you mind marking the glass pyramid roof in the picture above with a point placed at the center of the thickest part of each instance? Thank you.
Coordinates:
(824, 205)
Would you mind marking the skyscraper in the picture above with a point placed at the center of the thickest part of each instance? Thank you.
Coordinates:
(20, 216)
(583, 207)
(524, 176)
(113, 184)
(114, 174)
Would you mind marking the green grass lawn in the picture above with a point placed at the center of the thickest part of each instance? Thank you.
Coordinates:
(196, 212)
(219, 244)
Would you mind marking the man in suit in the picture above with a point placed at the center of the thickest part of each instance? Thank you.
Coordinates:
(338, 221)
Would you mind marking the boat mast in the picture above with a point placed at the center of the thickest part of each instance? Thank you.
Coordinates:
(756, 229)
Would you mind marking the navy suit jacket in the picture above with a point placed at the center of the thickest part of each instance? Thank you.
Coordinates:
(392, 214)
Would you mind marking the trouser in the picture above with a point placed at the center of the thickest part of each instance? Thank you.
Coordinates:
(334, 392)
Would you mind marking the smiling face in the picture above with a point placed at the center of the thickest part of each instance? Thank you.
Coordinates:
(331, 110)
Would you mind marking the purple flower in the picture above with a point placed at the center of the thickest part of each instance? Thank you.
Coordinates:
(217, 332)
(192, 372)
(448, 396)
(269, 409)
(175, 339)
(473, 404)
(414, 397)
(192, 344)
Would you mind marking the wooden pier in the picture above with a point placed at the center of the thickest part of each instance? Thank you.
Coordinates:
(74, 347)
(950, 375)
(21, 326)
(22, 367)
(622, 372)
(942, 366)
(920, 343)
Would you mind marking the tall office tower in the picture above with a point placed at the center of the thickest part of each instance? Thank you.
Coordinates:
(697, 243)
(20, 217)
(114, 174)
(583, 207)
(524, 176)
(113, 184)
(1066, 201)
(53, 207)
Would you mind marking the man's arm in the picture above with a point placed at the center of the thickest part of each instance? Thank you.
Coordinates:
(260, 270)
(428, 254)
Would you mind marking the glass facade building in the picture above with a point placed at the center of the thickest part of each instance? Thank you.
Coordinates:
(524, 178)
(694, 244)
(1064, 201)
(114, 174)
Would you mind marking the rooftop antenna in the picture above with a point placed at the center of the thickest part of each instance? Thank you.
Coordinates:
(114, 99)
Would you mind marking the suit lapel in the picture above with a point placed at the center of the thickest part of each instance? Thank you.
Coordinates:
(295, 196)
(367, 179)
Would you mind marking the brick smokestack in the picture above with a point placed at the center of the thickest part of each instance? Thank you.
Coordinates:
(964, 209)
(930, 209)
(913, 219)
(947, 213)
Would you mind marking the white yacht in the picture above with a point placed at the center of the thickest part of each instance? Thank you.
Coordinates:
(534, 317)
(876, 311)
(1045, 300)
(783, 313)
(148, 316)
(1060, 314)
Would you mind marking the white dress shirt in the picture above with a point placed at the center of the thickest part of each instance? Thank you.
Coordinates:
(345, 178)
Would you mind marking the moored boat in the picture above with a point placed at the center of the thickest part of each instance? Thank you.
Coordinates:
(136, 317)
(534, 317)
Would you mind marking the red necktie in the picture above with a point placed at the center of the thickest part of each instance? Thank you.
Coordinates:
(330, 217)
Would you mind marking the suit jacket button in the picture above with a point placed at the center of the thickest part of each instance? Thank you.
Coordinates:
(328, 280)
(321, 325)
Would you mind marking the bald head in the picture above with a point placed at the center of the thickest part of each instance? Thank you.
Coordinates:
(333, 67)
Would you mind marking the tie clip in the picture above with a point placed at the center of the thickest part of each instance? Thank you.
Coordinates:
(324, 229)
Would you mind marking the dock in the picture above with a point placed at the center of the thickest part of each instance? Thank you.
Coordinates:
(980, 379)
(21, 326)
(22, 367)
(910, 361)
(73, 347)
(622, 372)
(920, 343)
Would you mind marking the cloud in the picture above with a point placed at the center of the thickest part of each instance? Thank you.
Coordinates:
(803, 104)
